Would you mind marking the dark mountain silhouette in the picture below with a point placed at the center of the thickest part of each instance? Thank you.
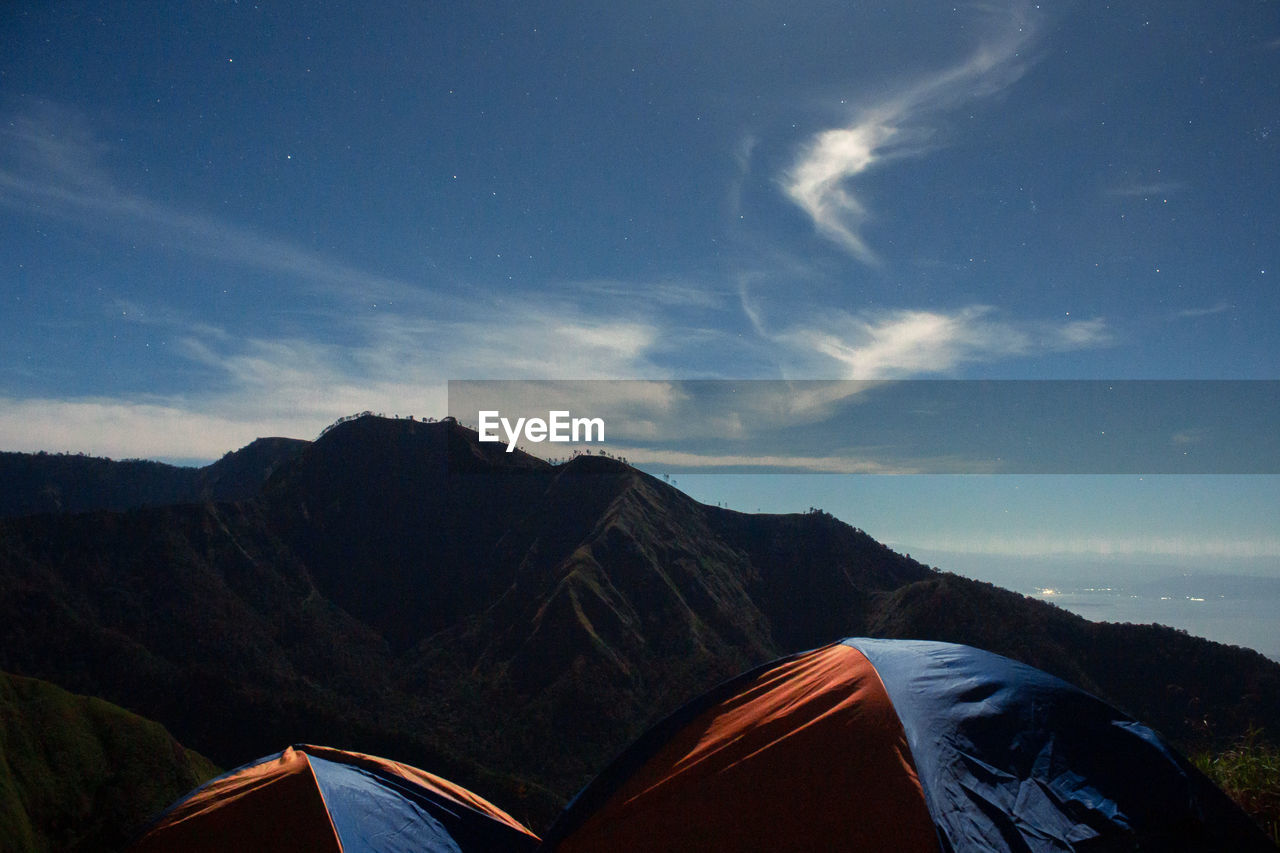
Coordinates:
(241, 473)
(400, 588)
(49, 482)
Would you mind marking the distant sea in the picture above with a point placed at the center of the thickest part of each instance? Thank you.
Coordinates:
(1239, 609)
(1239, 621)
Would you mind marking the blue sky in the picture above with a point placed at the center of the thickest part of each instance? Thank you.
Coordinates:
(222, 220)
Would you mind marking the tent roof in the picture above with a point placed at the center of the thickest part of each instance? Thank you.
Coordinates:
(904, 745)
(320, 799)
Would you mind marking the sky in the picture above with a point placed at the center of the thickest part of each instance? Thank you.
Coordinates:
(223, 220)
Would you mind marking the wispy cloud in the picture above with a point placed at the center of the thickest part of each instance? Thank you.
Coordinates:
(677, 294)
(896, 344)
(295, 386)
(392, 360)
(820, 181)
(1191, 313)
(121, 428)
(665, 411)
(52, 169)
(540, 344)
(1049, 545)
(1185, 437)
(294, 382)
(1148, 189)
(684, 460)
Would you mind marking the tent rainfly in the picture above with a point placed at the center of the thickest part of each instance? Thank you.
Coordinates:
(902, 745)
(316, 799)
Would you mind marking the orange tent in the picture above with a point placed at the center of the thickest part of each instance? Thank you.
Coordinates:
(316, 799)
(902, 745)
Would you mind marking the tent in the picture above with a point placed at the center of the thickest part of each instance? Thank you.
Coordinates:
(900, 745)
(312, 798)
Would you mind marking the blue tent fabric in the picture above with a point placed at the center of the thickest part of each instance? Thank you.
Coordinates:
(372, 812)
(1006, 758)
(1012, 758)
(322, 800)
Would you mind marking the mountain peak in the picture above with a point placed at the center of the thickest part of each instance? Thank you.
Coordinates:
(434, 442)
(403, 588)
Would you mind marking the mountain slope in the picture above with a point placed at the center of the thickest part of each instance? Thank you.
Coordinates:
(77, 773)
(400, 588)
(53, 483)
(1192, 690)
(394, 519)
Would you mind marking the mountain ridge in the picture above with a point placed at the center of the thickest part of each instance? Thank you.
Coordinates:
(400, 588)
(67, 482)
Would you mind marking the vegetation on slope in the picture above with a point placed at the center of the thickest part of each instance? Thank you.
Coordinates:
(1250, 774)
(78, 773)
(400, 589)
(65, 482)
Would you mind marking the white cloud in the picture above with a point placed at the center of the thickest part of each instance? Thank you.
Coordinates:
(54, 171)
(170, 429)
(808, 464)
(667, 410)
(398, 360)
(820, 182)
(1078, 334)
(1048, 545)
(534, 343)
(294, 386)
(897, 344)
(638, 409)
(1192, 313)
(395, 359)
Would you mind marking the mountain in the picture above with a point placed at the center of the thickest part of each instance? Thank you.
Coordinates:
(77, 773)
(46, 482)
(398, 587)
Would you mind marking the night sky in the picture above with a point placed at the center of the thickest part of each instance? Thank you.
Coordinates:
(222, 220)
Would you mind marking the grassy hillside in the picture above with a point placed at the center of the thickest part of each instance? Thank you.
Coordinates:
(78, 773)
(1250, 773)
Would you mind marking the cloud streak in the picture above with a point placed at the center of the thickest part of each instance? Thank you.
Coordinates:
(1193, 313)
(818, 183)
(1154, 188)
(398, 360)
(1048, 545)
(294, 386)
(897, 344)
(821, 180)
(394, 360)
(54, 171)
(685, 461)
